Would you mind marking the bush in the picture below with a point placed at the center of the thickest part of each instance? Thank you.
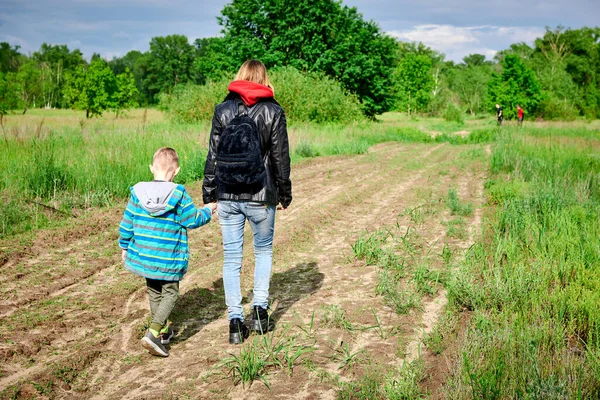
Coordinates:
(192, 103)
(306, 150)
(304, 97)
(314, 97)
(453, 113)
(553, 108)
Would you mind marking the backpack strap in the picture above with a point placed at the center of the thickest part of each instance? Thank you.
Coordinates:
(242, 110)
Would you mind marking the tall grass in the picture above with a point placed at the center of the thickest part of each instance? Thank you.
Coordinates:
(533, 283)
(46, 171)
(67, 169)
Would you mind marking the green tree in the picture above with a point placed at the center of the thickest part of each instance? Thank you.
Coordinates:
(521, 49)
(136, 62)
(54, 61)
(59, 54)
(417, 48)
(414, 83)
(314, 36)
(439, 90)
(516, 85)
(91, 89)
(9, 96)
(563, 98)
(10, 58)
(470, 81)
(212, 59)
(475, 60)
(28, 84)
(471, 85)
(125, 94)
(169, 63)
(583, 64)
(118, 65)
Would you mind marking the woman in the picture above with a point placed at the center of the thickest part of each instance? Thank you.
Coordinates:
(250, 93)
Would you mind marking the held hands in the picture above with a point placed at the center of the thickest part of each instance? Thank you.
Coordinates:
(212, 206)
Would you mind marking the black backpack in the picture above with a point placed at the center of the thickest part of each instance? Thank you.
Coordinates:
(239, 157)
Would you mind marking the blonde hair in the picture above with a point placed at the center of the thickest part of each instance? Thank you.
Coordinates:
(166, 159)
(254, 71)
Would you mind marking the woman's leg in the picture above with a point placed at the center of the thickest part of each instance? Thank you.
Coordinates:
(262, 222)
(232, 222)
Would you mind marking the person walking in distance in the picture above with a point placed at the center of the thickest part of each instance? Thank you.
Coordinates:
(519, 115)
(247, 172)
(499, 114)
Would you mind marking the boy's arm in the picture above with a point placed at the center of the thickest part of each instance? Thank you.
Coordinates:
(126, 226)
(192, 217)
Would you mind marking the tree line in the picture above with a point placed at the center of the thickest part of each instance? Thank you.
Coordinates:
(556, 78)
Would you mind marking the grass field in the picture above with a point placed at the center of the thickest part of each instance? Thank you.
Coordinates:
(419, 259)
(55, 162)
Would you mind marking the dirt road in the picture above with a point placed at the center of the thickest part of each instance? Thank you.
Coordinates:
(71, 316)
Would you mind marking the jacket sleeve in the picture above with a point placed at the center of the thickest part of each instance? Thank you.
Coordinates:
(209, 185)
(280, 159)
(191, 217)
(126, 226)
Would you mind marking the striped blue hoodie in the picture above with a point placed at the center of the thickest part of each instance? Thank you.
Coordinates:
(154, 229)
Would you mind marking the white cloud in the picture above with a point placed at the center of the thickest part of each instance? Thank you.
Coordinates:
(445, 36)
(459, 41)
(521, 34)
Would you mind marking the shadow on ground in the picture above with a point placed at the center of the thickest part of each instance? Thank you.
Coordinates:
(293, 285)
(199, 307)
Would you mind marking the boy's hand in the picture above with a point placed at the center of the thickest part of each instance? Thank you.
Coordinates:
(212, 206)
(123, 254)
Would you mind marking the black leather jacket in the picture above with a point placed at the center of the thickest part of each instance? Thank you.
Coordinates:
(270, 119)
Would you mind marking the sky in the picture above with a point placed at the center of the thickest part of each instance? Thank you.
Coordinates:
(454, 27)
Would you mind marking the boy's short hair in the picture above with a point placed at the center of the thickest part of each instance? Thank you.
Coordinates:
(166, 159)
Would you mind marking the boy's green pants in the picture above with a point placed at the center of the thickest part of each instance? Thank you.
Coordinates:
(162, 295)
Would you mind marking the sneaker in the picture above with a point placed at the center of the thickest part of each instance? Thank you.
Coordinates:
(165, 337)
(237, 331)
(154, 346)
(261, 320)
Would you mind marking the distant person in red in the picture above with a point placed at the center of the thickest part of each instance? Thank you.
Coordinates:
(519, 115)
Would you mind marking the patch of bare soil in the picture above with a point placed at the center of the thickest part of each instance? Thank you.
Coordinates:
(71, 323)
(462, 133)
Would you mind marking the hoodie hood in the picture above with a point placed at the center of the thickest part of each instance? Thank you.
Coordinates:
(250, 92)
(155, 196)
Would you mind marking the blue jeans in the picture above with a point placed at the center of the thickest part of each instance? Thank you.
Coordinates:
(232, 218)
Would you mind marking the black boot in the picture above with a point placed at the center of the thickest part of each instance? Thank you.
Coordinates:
(237, 331)
(261, 320)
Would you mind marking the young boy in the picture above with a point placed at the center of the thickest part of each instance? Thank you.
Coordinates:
(153, 239)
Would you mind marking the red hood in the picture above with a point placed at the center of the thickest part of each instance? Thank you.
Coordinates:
(250, 92)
